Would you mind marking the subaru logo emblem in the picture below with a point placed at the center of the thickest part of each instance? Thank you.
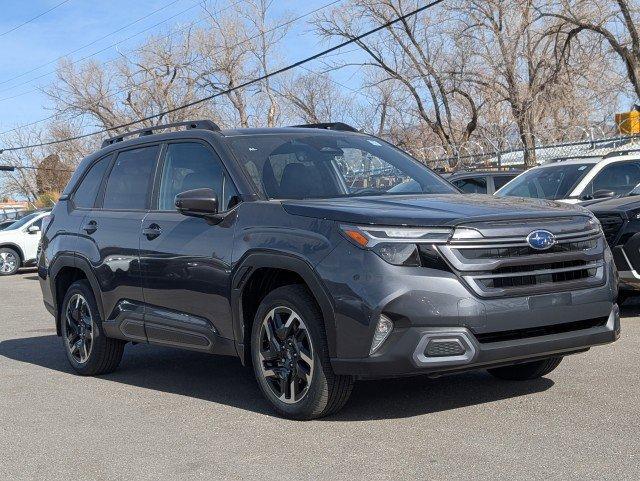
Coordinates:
(541, 239)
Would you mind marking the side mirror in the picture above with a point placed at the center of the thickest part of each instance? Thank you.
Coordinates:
(603, 194)
(33, 229)
(198, 203)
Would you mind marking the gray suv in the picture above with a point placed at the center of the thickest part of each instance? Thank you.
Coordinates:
(290, 249)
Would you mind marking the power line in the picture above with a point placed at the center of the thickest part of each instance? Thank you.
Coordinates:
(34, 18)
(95, 41)
(86, 57)
(11, 168)
(237, 44)
(242, 85)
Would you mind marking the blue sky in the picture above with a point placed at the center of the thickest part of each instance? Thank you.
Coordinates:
(79, 22)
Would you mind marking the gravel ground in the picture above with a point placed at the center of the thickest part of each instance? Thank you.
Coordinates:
(171, 414)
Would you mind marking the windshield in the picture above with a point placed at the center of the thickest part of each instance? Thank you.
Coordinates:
(22, 222)
(552, 183)
(308, 166)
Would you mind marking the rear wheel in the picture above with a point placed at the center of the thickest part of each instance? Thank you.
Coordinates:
(526, 371)
(88, 350)
(291, 357)
(9, 261)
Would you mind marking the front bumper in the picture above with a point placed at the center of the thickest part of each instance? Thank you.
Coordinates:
(405, 353)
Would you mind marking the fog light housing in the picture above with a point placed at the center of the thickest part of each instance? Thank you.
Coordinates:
(382, 332)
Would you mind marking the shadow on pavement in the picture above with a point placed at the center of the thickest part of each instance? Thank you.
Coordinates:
(223, 380)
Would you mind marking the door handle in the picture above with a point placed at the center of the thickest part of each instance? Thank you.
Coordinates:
(90, 227)
(152, 231)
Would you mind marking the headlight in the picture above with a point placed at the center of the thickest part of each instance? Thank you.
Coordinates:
(396, 245)
(398, 254)
(369, 236)
(594, 223)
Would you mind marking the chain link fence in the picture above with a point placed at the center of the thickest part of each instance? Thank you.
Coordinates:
(475, 155)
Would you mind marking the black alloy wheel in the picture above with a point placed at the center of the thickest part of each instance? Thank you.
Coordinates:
(286, 354)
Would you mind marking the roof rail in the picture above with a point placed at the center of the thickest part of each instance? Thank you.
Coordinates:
(329, 126)
(619, 153)
(191, 124)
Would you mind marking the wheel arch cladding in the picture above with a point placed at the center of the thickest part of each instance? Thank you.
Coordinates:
(64, 273)
(260, 273)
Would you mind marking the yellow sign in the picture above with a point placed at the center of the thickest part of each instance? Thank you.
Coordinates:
(628, 122)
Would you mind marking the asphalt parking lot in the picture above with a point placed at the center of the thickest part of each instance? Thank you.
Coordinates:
(169, 414)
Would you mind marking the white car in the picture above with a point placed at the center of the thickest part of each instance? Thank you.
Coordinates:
(19, 243)
(578, 179)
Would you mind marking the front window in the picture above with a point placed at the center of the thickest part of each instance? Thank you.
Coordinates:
(555, 182)
(189, 166)
(617, 178)
(308, 166)
(24, 221)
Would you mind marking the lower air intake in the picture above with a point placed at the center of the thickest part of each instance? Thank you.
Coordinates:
(444, 348)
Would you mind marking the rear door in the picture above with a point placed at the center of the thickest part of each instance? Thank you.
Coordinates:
(110, 234)
(186, 260)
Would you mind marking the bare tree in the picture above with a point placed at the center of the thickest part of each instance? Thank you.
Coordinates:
(154, 78)
(515, 59)
(41, 170)
(616, 21)
(416, 55)
(313, 98)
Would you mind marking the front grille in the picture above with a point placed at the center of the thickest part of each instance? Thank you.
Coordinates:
(500, 266)
(540, 330)
(611, 224)
(519, 251)
(521, 278)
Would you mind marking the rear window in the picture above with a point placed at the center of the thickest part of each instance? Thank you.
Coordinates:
(130, 179)
(472, 185)
(501, 180)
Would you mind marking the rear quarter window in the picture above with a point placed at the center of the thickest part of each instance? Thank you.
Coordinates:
(85, 195)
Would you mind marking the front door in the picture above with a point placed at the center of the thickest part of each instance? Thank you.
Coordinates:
(186, 260)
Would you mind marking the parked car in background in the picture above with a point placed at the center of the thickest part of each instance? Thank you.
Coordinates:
(280, 247)
(481, 182)
(476, 182)
(10, 213)
(620, 219)
(19, 243)
(578, 179)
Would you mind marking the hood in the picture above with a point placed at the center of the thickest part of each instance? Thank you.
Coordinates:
(621, 204)
(428, 210)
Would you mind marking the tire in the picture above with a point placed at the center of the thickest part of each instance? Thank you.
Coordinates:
(103, 354)
(293, 371)
(526, 371)
(9, 261)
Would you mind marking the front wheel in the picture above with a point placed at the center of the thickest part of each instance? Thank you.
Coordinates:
(9, 261)
(527, 370)
(291, 358)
